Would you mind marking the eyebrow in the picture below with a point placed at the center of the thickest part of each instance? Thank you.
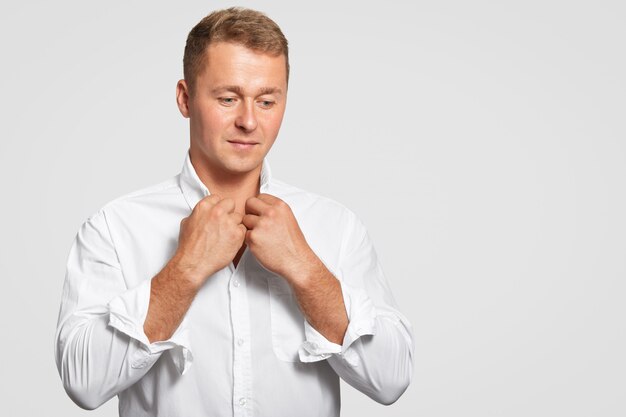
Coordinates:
(237, 89)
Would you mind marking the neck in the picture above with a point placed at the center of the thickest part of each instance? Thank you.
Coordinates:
(237, 186)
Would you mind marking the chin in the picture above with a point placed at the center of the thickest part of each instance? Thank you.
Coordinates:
(243, 165)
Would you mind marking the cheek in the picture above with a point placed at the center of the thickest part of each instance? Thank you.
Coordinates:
(213, 120)
(274, 121)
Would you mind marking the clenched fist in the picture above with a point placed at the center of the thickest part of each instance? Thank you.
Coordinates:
(209, 238)
(275, 238)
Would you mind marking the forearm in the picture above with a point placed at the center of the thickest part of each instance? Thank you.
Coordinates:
(103, 349)
(101, 346)
(171, 293)
(373, 346)
(320, 298)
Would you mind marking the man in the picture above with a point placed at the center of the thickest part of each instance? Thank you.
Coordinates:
(224, 291)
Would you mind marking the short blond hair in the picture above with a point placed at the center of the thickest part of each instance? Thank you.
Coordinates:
(247, 27)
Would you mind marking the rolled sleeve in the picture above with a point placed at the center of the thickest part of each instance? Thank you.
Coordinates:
(381, 364)
(127, 314)
(361, 321)
(100, 346)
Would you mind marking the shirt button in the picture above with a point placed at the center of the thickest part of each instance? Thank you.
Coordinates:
(242, 402)
(236, 283)
(240, 342)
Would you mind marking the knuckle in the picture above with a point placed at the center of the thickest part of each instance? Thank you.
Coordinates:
(226, 204)
(217, 210)
(204, 204)
(209, 201)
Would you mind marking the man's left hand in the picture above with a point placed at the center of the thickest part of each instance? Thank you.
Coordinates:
(275, 238)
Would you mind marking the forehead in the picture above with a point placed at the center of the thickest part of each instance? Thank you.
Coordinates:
(235, 64)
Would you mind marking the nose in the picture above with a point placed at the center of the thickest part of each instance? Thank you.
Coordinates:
(246, 119)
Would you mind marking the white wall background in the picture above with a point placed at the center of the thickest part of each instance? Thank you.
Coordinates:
(481, 142)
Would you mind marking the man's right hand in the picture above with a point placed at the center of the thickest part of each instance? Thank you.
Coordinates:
(209, 238)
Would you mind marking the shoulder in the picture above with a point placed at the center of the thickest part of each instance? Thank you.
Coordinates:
(309, 203)
(141, 200)
(331, 228)
(306, 198)
(159, 190)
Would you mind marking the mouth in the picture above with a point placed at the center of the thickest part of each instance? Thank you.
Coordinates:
(243, 145)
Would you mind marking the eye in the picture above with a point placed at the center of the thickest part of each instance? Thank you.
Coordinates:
(227, 100)
(267, 103)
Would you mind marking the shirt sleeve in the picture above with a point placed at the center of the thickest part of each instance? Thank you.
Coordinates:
(100, 346)
(361, 321)
(376, 356)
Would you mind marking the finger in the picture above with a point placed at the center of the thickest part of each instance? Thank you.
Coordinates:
(256, 206)
(228, 204)
(207, 203)
(244, 230)
(250, 220)
(269, 199)
(236, 217)
(213, 198)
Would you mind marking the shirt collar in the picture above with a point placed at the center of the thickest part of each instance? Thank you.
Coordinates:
(194, 189)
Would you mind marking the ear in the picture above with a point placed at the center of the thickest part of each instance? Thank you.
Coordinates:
(182, 98)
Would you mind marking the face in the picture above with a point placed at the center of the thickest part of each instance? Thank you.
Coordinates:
(236, 108)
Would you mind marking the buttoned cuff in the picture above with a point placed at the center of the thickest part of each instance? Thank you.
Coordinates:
(361, 321)
(127, 313)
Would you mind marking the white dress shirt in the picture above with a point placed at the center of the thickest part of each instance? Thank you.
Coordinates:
(244, 347)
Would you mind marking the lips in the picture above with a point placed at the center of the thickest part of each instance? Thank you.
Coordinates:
(243, 142)
(242, 145)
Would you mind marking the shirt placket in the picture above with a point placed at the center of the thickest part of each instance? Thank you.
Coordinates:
(242, 357)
